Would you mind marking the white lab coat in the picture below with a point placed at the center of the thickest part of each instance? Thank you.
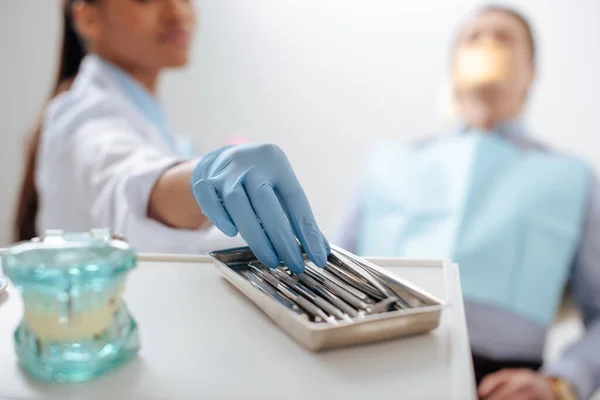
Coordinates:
(98, 161)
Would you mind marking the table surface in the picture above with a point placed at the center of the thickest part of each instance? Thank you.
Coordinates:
(202, 339)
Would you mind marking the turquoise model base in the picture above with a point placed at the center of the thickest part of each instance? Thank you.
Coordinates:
(80, 360)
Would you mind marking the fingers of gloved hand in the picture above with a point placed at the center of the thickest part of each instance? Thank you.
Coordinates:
(238, 205)
(303, 221)
(268, 208)
(212, 206)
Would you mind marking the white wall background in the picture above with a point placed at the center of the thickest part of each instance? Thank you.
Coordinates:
(321, 78)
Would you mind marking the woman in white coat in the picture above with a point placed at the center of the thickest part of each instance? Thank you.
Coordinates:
(105, 156)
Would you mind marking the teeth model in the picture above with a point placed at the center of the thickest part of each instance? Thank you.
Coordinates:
(86, 316)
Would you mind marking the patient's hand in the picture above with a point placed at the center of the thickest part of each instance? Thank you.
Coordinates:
(516, 384)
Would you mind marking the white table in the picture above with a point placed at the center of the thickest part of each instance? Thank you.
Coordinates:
(201, 339)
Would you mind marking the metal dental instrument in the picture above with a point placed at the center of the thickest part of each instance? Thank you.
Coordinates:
(410, 301)
(324, 276)
(292, 283)
(293, 295)
(325, 293)
(267, 289)
(343, 262)
(353, 281)
(337, 289)
(337, 308)
(383, 305)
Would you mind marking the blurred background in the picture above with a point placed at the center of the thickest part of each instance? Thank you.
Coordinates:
(321, 78)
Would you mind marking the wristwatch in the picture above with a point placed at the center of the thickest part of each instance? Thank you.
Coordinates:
(563, 389)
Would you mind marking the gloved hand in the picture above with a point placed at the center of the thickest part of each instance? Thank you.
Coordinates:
(251, 189)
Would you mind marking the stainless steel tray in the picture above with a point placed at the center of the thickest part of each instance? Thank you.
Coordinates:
(422, 316)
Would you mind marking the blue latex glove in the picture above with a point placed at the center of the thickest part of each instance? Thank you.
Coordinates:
(251, 189)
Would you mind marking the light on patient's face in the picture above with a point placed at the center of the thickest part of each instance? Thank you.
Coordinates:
(485, 62)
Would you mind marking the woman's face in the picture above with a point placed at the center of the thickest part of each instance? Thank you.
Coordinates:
(150, 34)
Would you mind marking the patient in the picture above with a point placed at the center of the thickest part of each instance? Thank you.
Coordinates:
(521, 220)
